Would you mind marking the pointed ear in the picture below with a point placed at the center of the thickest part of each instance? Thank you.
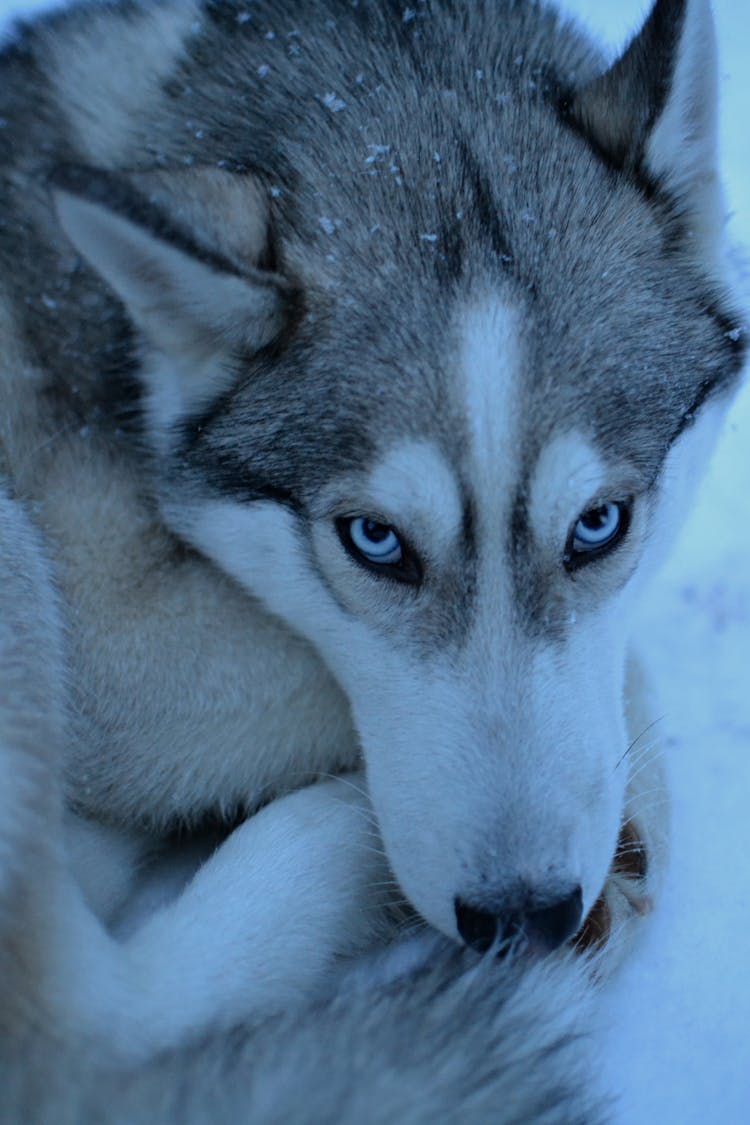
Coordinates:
(183, 251)
(654, 113)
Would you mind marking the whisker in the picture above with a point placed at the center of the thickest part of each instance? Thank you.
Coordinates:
(653, 791)
(345, 780)
(636, 740)
(640, 768)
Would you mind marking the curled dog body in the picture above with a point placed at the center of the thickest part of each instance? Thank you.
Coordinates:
(360, 363)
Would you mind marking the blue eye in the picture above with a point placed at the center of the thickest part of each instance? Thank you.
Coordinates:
(596, 531)
(376, 542)
(379, 548)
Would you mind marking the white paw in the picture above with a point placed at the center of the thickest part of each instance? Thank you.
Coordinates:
(264, 920)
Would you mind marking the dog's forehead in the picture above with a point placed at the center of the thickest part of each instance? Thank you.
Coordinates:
(467, 260)
(504, 413)
(489, 383)
(614, 319)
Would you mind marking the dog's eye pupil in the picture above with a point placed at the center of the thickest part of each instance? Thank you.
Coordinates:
(375, 532)
(597, 519)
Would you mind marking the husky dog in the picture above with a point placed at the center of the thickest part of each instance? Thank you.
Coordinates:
(358, 363)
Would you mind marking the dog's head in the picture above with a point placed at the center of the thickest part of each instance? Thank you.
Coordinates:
(441, 414)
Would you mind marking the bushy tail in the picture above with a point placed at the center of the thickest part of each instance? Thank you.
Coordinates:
(494, 1042)
(458, 1041)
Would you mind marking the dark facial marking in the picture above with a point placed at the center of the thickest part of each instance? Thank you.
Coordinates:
(485, 206)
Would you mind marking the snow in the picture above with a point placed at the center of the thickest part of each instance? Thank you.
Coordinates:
(678, 1044)
(333, 102)
(679, 1014)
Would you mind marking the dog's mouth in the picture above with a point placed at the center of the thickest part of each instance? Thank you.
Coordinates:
(625, 893)
(627, 881)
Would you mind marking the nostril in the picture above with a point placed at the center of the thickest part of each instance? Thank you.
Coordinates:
(478, 928)
(554, 924)
(545, 928)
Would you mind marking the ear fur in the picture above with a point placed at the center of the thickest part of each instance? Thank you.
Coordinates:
(185, 261)
(654, 113)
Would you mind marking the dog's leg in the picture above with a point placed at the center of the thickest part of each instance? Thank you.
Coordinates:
(256, 931)
(258, 927)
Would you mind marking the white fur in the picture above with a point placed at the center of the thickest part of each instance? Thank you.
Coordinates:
(457, 744)
(411, 486)
(257, 930)
(191, 313)
(491, 369)
(569, 477)
(491, 755)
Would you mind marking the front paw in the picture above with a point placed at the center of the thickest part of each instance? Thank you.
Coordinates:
(265, 919)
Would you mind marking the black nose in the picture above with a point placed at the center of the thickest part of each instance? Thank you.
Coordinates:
(552, 925)
(545, 927)
(478, 928)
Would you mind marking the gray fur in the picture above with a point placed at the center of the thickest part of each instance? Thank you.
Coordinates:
(297, 413)
(33, 725)
(291, 207)
(509, 1062)
(494, 1046)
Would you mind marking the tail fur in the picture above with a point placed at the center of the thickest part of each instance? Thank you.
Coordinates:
(455, 1042)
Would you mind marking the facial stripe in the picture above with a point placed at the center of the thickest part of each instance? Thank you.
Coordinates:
(492, 371)
(491, 362)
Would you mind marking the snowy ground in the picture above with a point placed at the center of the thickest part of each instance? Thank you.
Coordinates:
(679, 1044)
(680, 1041)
